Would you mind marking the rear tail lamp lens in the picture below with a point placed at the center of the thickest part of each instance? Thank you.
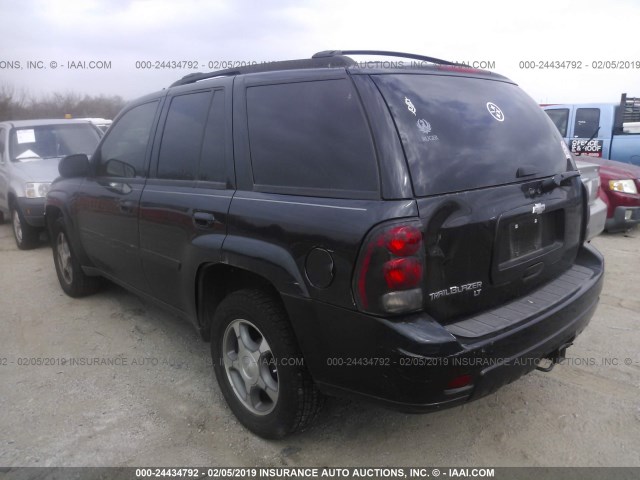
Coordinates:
(403, 273)
(404, 240)
(390, 270)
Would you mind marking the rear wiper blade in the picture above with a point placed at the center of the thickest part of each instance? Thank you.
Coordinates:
(557, 181)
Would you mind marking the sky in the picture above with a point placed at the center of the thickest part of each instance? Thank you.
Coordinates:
(45, 43)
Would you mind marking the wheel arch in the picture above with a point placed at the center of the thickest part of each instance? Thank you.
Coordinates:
(54, 210)
(215, 281)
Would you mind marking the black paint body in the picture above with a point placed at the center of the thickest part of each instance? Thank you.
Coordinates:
(177, 240)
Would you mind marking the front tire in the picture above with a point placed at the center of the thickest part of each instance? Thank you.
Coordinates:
(259, 367)
(26, 236)
(73, 280)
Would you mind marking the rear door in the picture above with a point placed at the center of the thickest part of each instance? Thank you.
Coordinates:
(479, 151)
(186, 199)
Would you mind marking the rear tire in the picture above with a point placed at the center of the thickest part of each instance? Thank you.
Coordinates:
(259, 366)
(27, 237)
(73, 280)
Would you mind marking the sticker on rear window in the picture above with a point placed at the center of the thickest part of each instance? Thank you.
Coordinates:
(425, 129)
(26, 136)
(495, 111)
(410, 106)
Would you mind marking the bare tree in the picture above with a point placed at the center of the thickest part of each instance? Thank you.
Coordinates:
(20, 106)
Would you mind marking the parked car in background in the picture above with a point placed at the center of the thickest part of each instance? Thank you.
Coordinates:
(29, 155)
(615, 130)
(620, 191)
(414, 236)
(589, 172)
(602, 130)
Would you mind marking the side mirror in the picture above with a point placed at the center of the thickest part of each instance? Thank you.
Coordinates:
(74, 166)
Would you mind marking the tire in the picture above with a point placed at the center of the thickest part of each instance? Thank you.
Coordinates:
(73, 280)
(26, 236)
(259, 366)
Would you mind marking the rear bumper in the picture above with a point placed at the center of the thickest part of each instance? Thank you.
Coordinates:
(32, 210)
(408, 362)
(623, 218)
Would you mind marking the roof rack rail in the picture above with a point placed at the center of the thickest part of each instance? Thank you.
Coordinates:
(332, 61)
(382, 53)
(327, 58)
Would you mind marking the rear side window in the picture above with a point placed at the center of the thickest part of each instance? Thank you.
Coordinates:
(182, 136)
(122, 154)
(212, 167)
(560, 118)
(462, 133)
(587, 122)
(310, 136)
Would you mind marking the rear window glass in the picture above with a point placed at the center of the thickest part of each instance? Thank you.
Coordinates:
(461, 133)
(310, 136)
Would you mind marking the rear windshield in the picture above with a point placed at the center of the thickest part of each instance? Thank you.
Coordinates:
(461, 133)
(52, 141)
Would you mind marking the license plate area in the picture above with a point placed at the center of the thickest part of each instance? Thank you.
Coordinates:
(524, 239)
(525, 236)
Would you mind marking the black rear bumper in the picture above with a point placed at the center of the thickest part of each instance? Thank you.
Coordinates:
(408, 363)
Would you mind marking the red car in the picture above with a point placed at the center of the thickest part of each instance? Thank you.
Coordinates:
(619, 189)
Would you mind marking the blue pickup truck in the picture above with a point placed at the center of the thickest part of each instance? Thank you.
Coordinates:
(609, 136)
(603, 130)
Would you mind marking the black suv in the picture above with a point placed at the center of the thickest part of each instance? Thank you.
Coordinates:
(411, 232)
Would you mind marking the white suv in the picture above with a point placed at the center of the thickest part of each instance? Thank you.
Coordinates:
(29, 154)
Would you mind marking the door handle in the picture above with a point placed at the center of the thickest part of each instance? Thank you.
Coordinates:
(203, 219)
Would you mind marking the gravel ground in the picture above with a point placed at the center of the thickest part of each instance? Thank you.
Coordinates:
(162, 407)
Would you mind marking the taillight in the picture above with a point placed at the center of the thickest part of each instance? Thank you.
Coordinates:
(390, 269)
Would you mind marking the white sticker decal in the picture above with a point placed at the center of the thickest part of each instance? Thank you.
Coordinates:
(425, 129)
(424, 126)
(410, 106)
(26, 136)
(495, 111)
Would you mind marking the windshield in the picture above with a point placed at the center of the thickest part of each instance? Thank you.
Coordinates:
(461, 133)
(52, 141)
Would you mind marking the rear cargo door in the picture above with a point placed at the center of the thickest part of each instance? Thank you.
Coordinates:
(482, 157)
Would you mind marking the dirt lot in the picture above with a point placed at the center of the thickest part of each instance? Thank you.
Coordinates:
(162, 407)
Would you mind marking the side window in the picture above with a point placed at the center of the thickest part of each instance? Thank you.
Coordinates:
(212, 166)
(182, 136)
(560, 118)
(587, 121)
(123, 152)
(311, 136)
